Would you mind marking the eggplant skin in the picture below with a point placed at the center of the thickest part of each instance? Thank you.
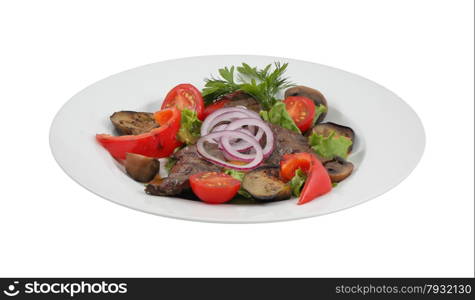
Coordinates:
(264, 184)
(132, 122)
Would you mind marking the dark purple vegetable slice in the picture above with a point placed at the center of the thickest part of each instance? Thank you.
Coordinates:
(264, 184)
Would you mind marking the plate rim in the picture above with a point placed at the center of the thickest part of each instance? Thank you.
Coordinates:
(310, 213)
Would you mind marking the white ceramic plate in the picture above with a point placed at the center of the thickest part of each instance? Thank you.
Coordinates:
(390, 137)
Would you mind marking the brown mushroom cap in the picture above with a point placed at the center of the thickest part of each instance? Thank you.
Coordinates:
(338, 169)
(141, 168)
(326, 128)
(310, 93)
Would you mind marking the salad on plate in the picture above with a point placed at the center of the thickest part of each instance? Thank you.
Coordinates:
(235, 141)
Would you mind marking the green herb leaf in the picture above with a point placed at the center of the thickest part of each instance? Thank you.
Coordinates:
(330, 146)
(227, 74)
(190, 126)
(217, 87)
(262, 84)
(278, 115)
(297, 182)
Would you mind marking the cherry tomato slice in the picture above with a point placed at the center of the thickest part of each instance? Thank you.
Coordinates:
(185, 96)
(318, 181)
(291, 163)
(214, 187)
(301, 110)
(215, 106)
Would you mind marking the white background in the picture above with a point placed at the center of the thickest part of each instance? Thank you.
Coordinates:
(422, 50)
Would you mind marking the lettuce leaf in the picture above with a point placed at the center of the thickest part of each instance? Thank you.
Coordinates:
(170, 163)
(278, 115)
(297, 182)
(190, 126)
(330, 146)
(239, 175)
(319, 109)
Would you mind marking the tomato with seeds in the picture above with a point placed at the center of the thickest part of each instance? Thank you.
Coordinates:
(187, 96)
(301, 110)
(318, 181)
(214, 187)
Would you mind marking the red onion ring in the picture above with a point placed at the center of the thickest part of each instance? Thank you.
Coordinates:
(256, 161)
(233, 126)
(210, 122)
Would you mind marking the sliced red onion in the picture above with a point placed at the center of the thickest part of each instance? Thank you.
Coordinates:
(256, 161)
(219, 128)
(207, 125)
(239, 145)
(233, 126)
(243, 145)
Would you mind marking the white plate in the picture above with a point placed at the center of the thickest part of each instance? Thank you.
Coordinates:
(390, 137)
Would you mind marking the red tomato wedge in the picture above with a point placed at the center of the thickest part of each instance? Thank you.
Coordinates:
(318, 181)
(185, 96)
(301, 110)
(159, 142)
(214, 187)
(214, 107)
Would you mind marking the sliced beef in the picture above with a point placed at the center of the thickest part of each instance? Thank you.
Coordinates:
(242, 99)
(132, 122)
(286, 142)
(188, 163)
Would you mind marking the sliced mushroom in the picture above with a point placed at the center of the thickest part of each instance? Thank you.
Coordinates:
(264, 184)
(132, 122)
(326, 128)
(338, 169)
(313, 94)
(141, 168)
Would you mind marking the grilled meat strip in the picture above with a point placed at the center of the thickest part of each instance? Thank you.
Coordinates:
(240, 98)
(189, 162)
(286, 142)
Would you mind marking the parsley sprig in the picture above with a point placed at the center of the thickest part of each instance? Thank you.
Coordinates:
(262, 84)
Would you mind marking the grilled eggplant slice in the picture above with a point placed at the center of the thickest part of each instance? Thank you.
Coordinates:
(264, 184)
(141, 168)
(132, 122)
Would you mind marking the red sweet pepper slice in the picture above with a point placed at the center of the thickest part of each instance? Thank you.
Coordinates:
(159, 142)
(318, 181)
